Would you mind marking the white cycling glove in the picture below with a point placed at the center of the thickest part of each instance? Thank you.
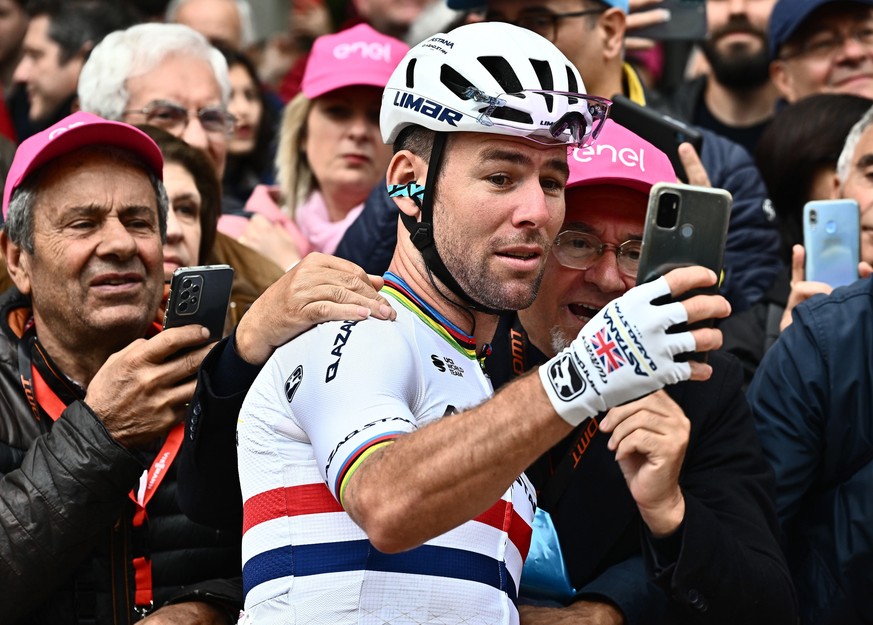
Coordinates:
(622, 353)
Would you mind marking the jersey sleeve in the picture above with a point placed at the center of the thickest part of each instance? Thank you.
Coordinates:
(344, 389)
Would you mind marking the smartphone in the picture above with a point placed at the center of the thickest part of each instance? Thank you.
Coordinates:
(687, 22)
(200, 295)
(832, 239)
(662, 131)
(685, 225)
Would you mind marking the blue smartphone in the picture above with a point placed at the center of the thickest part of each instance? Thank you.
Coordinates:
(832, 239)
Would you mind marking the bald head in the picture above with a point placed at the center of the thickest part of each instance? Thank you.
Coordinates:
(217, 20)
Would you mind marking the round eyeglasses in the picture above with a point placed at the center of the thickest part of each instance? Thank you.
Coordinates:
(581, 250)
(826, 45)
(174, 118)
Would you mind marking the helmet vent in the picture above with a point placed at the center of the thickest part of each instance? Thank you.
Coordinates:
(502, 72)
(456, 83)
(573, 86)
(544, 74)
(410, 74)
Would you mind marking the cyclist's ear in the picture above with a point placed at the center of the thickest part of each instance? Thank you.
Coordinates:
(405, 179)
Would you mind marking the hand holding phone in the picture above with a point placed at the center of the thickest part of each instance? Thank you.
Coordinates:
(832, 241)
(200, 295)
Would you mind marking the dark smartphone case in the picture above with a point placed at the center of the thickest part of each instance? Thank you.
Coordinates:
(687, 22)
(685, 225)
(662, 131)
(200, 295)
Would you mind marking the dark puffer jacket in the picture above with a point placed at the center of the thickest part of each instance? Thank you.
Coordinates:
(66, 538)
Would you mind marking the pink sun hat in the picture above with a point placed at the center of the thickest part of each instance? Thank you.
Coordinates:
(619, 157)
(355, 56)
(76, 131)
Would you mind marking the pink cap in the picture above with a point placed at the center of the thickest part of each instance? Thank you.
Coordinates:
(76, 131)
(619, 157)
(356, 56)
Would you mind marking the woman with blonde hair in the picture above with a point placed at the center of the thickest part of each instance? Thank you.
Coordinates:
(330, 154)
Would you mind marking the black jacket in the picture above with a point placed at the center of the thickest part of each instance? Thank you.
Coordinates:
(66, 538)
(723, 565)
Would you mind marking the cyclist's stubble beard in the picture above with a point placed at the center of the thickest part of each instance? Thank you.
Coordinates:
(468, 253)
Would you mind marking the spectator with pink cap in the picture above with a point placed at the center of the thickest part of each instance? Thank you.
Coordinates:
(330, 155)
(646, 497)
(91, 390)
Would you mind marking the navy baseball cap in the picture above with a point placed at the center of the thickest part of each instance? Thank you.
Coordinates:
(463, 5)
(788, 15)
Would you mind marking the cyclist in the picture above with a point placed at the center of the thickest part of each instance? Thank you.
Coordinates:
(364, 501)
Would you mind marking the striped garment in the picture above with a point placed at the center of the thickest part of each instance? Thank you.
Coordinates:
(318, 408)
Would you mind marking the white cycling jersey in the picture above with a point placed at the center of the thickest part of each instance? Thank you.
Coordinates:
(320, 405)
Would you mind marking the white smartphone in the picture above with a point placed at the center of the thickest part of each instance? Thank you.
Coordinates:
(832, 240)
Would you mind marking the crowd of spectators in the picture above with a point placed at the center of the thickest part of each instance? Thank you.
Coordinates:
(141, 136)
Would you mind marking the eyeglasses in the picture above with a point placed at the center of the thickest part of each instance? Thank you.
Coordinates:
(826, 45)
(544, 23)
(581, 250)
(174, 118)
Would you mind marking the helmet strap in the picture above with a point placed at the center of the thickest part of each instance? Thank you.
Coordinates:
(421, 232)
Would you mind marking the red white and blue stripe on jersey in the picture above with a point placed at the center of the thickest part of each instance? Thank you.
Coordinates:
(314, 502)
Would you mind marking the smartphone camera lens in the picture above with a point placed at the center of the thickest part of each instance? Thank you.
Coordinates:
(813, 217)
(183, 306)
(193, 301)
(195, 288)
(186, 283)
(184, 294)
(668, 210)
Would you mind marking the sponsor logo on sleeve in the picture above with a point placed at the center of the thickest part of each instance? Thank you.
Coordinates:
(338, 344)
(293, 383)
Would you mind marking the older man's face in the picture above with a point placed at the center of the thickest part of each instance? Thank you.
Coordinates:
(96, 274)
(568, 297)
(832, 52)
(858, 186)
(190, 83)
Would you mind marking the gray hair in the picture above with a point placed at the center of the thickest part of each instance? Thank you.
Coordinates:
(844, 163)
(19, 218)
(243, 9)
(138, 50)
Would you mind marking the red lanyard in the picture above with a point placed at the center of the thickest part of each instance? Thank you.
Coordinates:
(142, 566)
(40, 395)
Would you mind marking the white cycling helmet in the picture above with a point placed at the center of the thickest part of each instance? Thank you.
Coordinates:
(491, 77)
